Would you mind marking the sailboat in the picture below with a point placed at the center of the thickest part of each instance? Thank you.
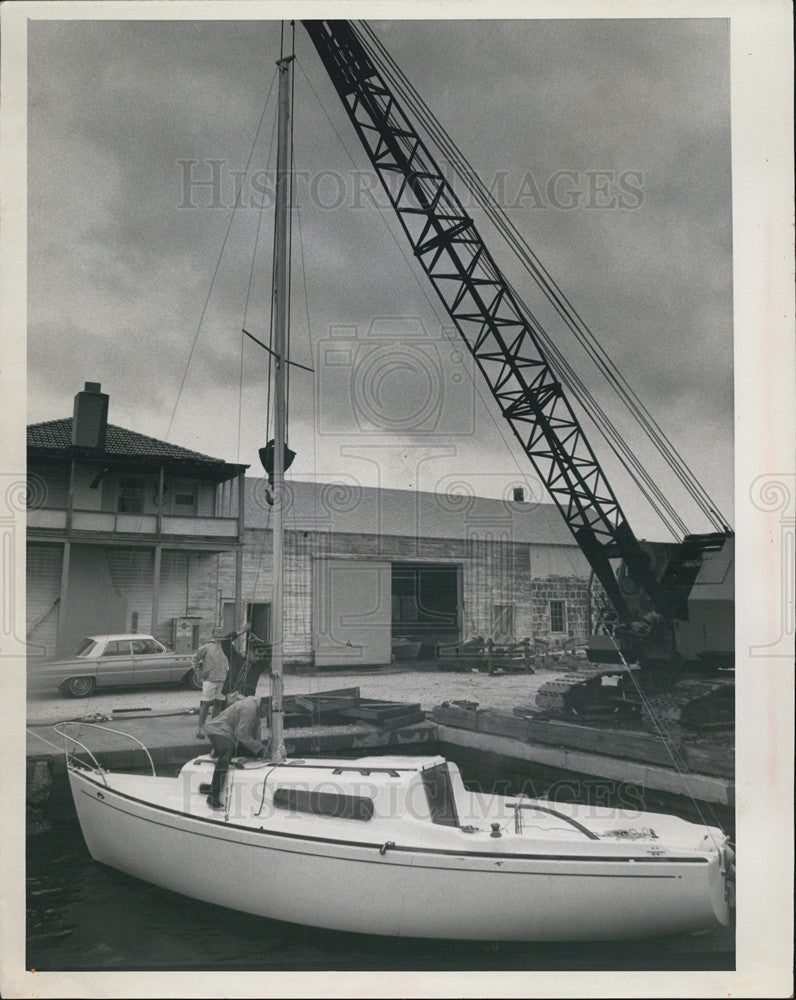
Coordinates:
(393, 845)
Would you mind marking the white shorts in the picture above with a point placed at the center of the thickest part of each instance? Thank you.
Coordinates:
(211, 691)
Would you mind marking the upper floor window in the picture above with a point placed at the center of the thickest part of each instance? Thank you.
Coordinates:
(184, 497)
(131, 496)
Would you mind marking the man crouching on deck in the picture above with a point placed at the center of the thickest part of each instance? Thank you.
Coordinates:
(235, 732)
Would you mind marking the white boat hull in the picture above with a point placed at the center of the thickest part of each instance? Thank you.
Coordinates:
(424, 892)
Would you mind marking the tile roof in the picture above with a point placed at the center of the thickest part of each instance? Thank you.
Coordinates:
(57, 434)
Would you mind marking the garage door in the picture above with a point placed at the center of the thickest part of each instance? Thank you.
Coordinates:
(352, 612)
(132, 573)
(43, 588)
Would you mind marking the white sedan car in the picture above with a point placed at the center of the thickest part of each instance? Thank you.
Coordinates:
(105, 661)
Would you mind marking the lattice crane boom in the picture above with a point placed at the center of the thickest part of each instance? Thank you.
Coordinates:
(480, 303)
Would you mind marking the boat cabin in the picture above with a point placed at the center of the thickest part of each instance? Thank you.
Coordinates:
(367, 791)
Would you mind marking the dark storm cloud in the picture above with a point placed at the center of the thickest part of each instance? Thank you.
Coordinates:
(119, 273)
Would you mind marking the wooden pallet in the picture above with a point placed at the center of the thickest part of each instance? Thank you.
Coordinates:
(344, 706)
(385, 714)
(321, 706)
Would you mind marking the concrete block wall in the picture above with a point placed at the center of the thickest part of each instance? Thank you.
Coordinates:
(495, 571)
(575, 595)
(257, 584)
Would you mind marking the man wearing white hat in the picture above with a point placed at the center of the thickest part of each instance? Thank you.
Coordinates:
(211, 662)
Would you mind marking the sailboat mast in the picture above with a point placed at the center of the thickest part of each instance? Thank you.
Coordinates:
(281, 321)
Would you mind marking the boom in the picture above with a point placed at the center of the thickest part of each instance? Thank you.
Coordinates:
(501, 339)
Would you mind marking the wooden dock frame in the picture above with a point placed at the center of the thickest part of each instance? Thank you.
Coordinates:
(714, 789)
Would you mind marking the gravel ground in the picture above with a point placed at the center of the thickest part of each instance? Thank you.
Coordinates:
(430, 688)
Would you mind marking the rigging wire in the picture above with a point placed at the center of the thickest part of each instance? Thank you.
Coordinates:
(677, 759)
(245, 322)
(291, 196)
(304, 279)
(261, 554)
(284, 360)
(259, 226)
(310, 338)
(549, 287)
(218, 261)
(269, 379)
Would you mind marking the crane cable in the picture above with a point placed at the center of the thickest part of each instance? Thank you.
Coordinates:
(616, 441)
(546, 283)
(543, 279)
(488, 203)
(661, 504)
(609, 428)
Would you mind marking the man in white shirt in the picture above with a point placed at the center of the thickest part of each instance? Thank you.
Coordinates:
(211, 660)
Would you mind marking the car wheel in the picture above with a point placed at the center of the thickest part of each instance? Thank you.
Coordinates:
(193, 680)
(80, 687)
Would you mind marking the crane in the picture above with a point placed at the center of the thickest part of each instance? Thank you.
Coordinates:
(650, 593)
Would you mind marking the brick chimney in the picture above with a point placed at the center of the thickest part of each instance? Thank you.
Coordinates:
(90, 418)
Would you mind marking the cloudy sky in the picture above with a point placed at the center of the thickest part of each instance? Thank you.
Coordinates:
(608, 141)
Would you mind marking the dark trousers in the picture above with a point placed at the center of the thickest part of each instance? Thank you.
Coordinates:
(226, 750)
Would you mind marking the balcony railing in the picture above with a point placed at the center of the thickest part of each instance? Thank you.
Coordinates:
(224, 526)
(44, 518)
(134, 524)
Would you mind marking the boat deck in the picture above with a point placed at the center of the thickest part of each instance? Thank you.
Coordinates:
(260, 795)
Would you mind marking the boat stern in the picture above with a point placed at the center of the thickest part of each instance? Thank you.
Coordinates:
(722, 882)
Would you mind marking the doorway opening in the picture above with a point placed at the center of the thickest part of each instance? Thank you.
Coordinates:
(258, 615)
(425, 607)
